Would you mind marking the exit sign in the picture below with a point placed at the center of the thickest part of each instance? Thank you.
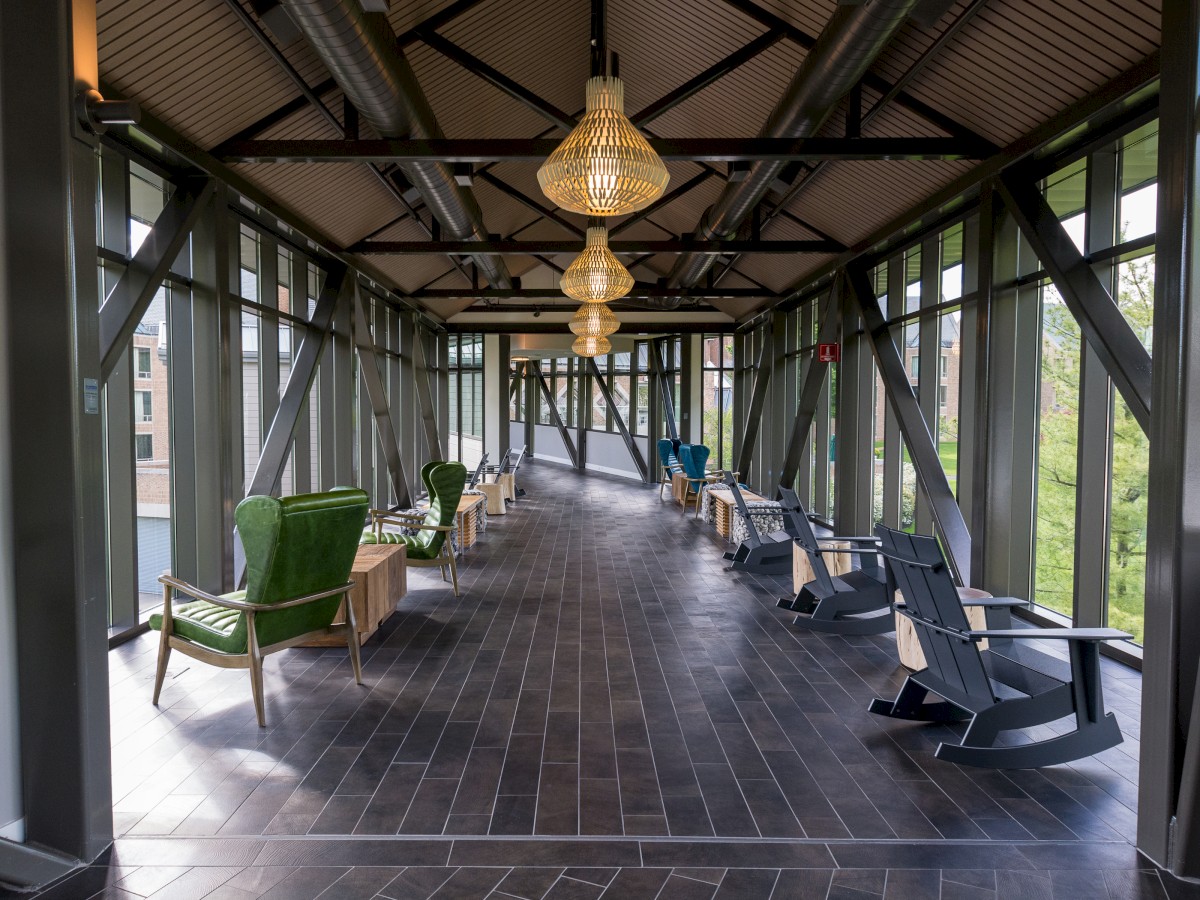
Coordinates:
(829, 353)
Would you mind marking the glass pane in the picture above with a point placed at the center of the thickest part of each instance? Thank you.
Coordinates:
(1058, 450)
(151, 428)
(949, 372)
(1066, 192)
(1135, 296)
(1139, 193)
(1127, 540)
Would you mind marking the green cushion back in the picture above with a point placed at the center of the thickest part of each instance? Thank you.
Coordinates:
(425, 470)
(445, 482)
(295, 546)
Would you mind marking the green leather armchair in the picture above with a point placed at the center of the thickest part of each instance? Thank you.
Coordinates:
(430, 546)
(299, 552)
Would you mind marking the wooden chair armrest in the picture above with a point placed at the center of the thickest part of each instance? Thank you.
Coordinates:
(995, 601)
(190, 589)
(405, 517)
(1053, 634)
(425, 527)
(243, 606)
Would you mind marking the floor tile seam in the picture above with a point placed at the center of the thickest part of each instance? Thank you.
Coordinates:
(504, 760)
(644, 839)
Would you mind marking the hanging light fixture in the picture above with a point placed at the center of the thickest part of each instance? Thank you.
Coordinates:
(604, 167)
(591, 346)
(596, 275)
(594, 320)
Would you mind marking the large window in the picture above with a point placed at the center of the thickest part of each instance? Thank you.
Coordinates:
(466, 398)
(717, 398)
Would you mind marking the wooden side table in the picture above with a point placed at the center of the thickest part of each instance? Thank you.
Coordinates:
(469, 507)
(495, 493)
(380, 579)
(508, 483)
(836, 563)
(909, 646)
(723, 508)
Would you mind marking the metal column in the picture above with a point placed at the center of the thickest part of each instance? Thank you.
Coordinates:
(53, 591)
(1169, 772)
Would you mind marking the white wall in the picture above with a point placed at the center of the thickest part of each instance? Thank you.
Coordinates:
(607, 453)
(547, 444)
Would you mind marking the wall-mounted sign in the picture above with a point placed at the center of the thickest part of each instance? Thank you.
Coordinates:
(829, 353)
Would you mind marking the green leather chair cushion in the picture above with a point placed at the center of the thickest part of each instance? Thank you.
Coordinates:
(209, 625)
(294, 546)
(445, 482)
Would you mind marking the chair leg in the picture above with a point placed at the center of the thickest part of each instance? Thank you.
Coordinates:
(453, 575)
(164, 654)
(352, 641)
(256, 673)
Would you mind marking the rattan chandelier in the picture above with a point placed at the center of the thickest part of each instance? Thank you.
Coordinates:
(591, 346)
(604, 167)
(596, 276)
(594, 320)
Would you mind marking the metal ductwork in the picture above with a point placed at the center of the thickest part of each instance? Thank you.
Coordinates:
(360, 51)
(845, 49)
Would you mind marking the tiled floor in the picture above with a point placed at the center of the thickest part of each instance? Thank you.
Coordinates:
(648, 722)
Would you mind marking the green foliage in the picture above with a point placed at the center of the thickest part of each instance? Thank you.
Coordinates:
(1058, 458)
(722, 456)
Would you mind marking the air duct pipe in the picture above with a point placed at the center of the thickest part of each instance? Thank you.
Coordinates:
(845, 49)
(360, 51)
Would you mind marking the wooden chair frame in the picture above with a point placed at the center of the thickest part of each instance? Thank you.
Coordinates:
(445, 557)
(252, 659)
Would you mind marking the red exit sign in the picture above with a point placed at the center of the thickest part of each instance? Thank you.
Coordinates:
(829, 353)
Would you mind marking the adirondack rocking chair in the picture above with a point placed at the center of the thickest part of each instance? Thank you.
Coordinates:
(855, 602)
(763, 554)
(1008, 686)
(478, 473)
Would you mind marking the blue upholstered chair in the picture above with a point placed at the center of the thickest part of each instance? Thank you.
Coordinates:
(694, 459)
(668, 457)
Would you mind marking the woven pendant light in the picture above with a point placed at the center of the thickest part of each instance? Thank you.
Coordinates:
(596, 276)
(594, 320)
(589, 346)
(604, 167)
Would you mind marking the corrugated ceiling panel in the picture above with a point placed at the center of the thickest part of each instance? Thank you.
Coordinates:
(501, 213)
(346, 202)
(542, 44)
(738, 104)
(411, 273)
(465, 105)
(808, 15)
(682, 214)
(1018, 62)
(663, 44)
(190, 63)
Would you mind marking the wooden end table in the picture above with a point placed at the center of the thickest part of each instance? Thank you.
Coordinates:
(380, 579)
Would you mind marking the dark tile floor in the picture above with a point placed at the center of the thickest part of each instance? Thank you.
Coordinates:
(611, 712)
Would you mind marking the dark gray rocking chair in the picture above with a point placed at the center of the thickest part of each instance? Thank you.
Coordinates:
(1005, 687)
(478, 473)
(769, 554)
(856, 602)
